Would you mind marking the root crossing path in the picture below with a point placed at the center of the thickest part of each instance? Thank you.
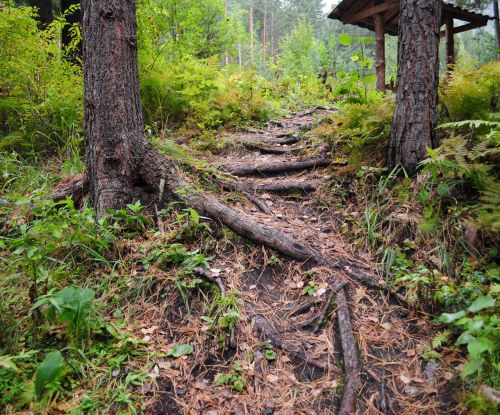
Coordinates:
(308, 337)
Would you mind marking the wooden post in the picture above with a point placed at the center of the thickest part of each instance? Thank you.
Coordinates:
(380, 52)
(497, 27)
(450, 42)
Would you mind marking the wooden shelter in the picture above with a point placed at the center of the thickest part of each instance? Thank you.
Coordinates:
(382, 16)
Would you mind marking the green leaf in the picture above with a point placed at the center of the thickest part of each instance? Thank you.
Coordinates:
(472, 366)
(222, 380)
(443, 189)
(481, 303)
(431, 152)
(447, 318)
(49, 370)
(345, 39)
(464, 338)
(477, 346)
(7, 363)
(180, 350)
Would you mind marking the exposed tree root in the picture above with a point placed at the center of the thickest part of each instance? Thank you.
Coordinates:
(162, 181)
(350, 353)
(266, 149)
(245, 169)
(203, 273)
(265, 332)
(306, 186)
(287, 138)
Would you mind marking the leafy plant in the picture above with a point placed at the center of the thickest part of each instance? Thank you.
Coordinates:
(73, 306)
(269, 352)
(49, 374)
(235, 380)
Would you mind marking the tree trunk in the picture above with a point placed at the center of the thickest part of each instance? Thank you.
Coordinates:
(71, 18)
(45, 13)
(113, 116)
(413, 126)
(497, 27)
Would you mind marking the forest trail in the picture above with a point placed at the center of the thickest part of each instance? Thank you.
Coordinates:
(286, 347)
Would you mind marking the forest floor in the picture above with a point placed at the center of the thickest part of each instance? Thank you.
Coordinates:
(284, 355)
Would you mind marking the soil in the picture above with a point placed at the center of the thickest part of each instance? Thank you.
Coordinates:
(277, 313)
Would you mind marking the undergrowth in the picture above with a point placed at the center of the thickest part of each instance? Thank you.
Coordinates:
(436, 237)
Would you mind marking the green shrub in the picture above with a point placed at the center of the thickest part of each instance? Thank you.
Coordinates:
(469, 92)
(41, 97)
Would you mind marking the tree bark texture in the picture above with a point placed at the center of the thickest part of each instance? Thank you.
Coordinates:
(71, 19)
(415, 117)
(113, 115)
(45, 13)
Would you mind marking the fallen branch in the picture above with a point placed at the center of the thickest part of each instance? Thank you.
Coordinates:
(351, 368)
(245, 169)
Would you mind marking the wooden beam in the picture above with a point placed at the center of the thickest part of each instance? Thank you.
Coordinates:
(380, 52)
(466, 27)
(370, 12)
(450, 42)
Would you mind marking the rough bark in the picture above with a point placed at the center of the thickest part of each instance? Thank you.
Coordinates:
(71, 18)
(113, 116)
(45, 12)
(245, 169)
(418, 78)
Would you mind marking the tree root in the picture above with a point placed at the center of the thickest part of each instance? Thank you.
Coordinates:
(266, 149)
(203, 273)
(287, 138)
(162, 181)
(350, 353)
(265, 332)
(306, 186)
(245, 169)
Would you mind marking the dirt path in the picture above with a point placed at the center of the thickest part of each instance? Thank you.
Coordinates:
(286, 347)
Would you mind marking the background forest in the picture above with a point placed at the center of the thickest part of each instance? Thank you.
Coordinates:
(69, 339)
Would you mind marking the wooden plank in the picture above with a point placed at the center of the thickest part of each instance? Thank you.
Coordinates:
(380, 52)
(370, 12)
(450, 42)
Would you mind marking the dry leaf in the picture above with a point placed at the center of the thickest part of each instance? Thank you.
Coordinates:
(272, 378)
(406, 380)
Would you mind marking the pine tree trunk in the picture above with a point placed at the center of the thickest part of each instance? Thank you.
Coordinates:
(413, 126)
(113, 115)
(45, 13)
